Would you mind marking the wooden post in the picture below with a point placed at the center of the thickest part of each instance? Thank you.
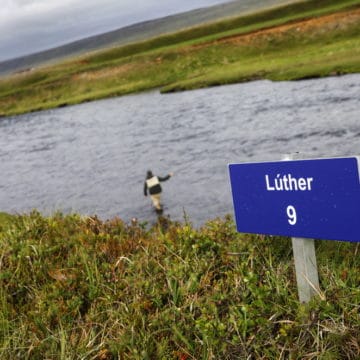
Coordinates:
(306, 268)
(307, 277)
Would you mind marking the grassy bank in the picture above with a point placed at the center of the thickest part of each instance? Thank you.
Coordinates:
(307, 39)
(80, 288)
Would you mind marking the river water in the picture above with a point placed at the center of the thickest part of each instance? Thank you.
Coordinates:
(92, 158)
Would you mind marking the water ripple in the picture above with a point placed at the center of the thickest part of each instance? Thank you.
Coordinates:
(92, 158)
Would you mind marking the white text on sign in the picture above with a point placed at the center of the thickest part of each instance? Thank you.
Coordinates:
(288, 183)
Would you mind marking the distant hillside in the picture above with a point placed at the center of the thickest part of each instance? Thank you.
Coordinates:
(301, 40)
(137, 32)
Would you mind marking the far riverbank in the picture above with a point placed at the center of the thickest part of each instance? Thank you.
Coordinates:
(302, 40)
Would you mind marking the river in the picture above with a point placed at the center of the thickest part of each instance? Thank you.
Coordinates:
(92, 158)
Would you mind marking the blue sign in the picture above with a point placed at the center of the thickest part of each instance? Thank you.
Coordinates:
(317, 199)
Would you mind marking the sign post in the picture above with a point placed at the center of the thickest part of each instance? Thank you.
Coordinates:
(303, 199)
(307, 276)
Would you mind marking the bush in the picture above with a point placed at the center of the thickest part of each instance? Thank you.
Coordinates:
(82, 288)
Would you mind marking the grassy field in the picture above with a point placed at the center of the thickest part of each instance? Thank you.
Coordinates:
(75, 287)
(308, 39)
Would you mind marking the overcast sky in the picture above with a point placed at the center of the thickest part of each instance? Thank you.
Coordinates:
(28, 26)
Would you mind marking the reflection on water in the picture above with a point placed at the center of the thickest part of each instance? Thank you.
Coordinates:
(92, 158)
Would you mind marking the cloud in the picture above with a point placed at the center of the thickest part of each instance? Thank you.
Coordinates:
(13, 11)
(29, 15)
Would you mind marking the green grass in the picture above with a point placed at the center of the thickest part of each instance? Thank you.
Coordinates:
(228, 26)
(336, 58)
(75, 287)
(196, 58)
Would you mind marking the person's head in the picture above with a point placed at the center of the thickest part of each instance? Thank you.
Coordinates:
(149, 174)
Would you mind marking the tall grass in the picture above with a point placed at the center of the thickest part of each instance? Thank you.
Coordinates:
(77, 287)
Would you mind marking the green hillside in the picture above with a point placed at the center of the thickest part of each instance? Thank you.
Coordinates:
(307, 39)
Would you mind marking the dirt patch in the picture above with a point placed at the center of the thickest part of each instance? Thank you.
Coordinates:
(104, 73)
(323, 24)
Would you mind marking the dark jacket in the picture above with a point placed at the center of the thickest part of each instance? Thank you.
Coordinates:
(154, 187)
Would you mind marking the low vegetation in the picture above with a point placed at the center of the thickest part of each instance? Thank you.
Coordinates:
(307, 39)
(75, 287)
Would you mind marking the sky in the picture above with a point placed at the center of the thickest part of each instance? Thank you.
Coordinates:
(28, 26)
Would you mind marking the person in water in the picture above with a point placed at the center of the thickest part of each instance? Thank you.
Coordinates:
(152, 184)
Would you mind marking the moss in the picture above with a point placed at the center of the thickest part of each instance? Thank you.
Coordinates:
(74, 287)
